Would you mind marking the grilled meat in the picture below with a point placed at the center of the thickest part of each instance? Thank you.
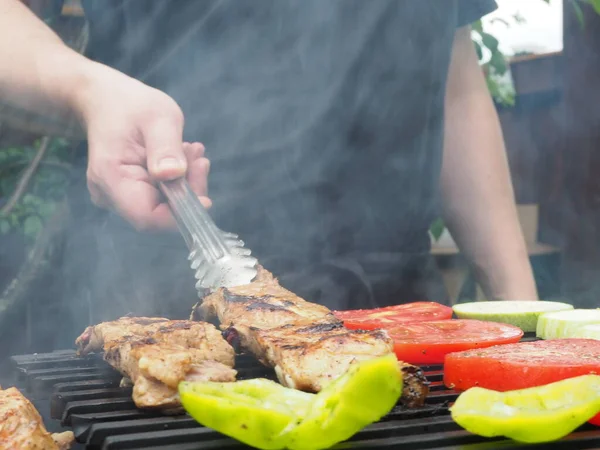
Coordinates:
(304, 342)
(156, 368)
(308, 357)
(155, 354)
(264, 303)
(94, 336)
(21, 426)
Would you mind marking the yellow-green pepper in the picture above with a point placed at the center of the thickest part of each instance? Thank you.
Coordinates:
(532, 415)
(252, 411)
(266, 415)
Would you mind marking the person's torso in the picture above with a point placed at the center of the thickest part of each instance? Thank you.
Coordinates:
(323, 119)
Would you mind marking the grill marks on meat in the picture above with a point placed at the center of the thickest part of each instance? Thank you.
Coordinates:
(21, 426)
(309, 358)
(261, 304)
(304, 342)
(156, 356)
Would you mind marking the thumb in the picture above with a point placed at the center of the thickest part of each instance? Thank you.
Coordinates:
(164, 149)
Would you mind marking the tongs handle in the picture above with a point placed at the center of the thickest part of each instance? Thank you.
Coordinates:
(195, 224)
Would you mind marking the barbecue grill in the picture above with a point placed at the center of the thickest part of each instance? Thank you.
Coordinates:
(83, 394)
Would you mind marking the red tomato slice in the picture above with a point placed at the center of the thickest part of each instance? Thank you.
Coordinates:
(430, 342)
(369, 319)
(522, 365)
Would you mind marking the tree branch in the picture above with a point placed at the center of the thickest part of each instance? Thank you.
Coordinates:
(25, 178)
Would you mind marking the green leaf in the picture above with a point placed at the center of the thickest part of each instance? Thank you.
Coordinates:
(595, 4)
(4, 226)
(477, 26)
(46, 209)
(498, 62)
(579, 14)
(490, 41)
(32, 226)
(437, 228)
(14, 220)
(29, 199)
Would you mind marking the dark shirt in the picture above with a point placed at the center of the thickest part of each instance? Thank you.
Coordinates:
(323, 120)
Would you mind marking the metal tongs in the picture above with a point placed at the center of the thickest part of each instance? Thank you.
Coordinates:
(219, 258)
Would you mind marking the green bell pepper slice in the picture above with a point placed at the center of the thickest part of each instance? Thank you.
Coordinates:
(266, 415)
(533, 415)
(363, 395)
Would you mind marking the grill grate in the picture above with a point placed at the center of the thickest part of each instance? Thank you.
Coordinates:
(84, 394)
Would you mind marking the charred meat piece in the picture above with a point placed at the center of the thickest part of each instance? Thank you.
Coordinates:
(94, 336)
(305, 344)
(310, 357)
(21, 426)
(264, 303)
(155, 354)
(156, 368)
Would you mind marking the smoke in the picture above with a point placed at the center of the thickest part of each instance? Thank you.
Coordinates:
(323, 122)
(325, 147)
(319, 138)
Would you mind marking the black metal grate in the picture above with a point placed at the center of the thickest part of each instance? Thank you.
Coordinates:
(84, 394)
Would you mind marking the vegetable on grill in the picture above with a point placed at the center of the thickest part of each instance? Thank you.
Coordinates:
(266, 415)
(430, 342)
(563, 324)
(532, 415)
(369, 319)
(522, 365)
(588, 332)
(523, 314)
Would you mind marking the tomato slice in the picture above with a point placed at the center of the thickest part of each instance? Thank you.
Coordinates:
(369, 319)
(430, 342)
(522, 365)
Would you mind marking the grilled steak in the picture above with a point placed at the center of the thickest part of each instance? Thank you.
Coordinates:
(21, 426)
(304, 342)
(155, 354)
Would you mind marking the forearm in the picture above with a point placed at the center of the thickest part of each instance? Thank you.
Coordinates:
(38, 72)
(479, 204)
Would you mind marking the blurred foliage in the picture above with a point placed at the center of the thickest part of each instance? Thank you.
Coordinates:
(495, 67)
(579, 12)
(45, 190)
(437, 228)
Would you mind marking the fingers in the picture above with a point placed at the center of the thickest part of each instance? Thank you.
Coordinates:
(193, 150)
(206, 202)
(166, 159)
(198, 169)
(140, 203)
(129, 189)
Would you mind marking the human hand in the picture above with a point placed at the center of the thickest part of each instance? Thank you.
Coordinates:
(135, 140)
